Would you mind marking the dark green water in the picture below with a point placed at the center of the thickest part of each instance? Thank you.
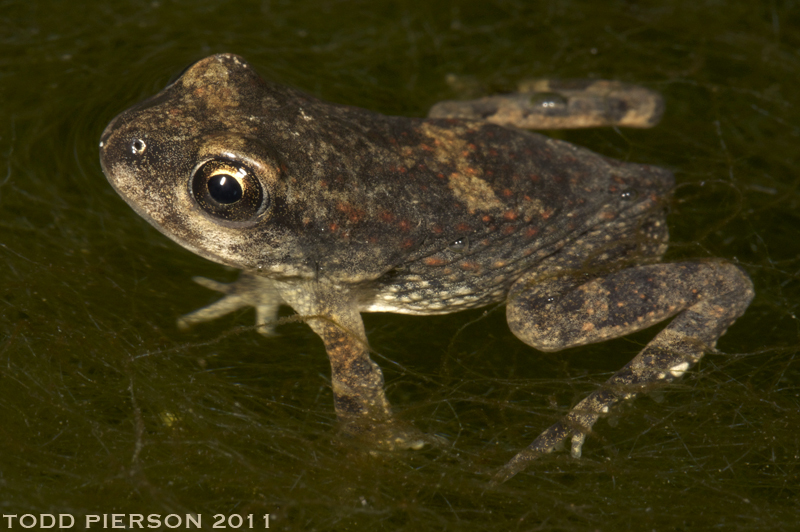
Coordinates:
(108, 408)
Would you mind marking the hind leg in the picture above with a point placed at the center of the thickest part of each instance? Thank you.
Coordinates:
(705, 298)
(567, 104)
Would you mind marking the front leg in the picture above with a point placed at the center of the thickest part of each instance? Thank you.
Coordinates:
(357, 381)
(705, 297)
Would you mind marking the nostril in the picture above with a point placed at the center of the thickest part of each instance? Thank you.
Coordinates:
(138, 146)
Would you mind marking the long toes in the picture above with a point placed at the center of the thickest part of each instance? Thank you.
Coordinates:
(544, 444)
(211, 284)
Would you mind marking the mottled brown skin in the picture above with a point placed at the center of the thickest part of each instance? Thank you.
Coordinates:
(359, 212)
(562, 104)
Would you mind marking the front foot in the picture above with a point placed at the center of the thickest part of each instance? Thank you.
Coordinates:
(248, 290)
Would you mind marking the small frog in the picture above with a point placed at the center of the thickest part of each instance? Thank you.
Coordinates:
(335, 210)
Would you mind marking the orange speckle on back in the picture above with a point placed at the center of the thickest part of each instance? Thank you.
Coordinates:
(510, 215)
(353, 214)
(470, 266)
(432, 261)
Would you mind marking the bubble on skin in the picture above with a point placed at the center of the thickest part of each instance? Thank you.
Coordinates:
(548, 100)
(460, 246)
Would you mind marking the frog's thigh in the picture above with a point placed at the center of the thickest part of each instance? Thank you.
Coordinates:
(558, 314)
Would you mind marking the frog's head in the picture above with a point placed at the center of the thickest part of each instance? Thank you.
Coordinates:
(189, 161)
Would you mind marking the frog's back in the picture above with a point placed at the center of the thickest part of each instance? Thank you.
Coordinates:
(486, 203)
(415, 187)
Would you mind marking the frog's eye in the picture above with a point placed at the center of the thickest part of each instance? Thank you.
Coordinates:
(228, 190)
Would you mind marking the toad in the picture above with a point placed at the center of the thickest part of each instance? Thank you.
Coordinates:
(335, 210)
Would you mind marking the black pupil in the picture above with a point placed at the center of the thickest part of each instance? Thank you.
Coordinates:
(225, 189)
